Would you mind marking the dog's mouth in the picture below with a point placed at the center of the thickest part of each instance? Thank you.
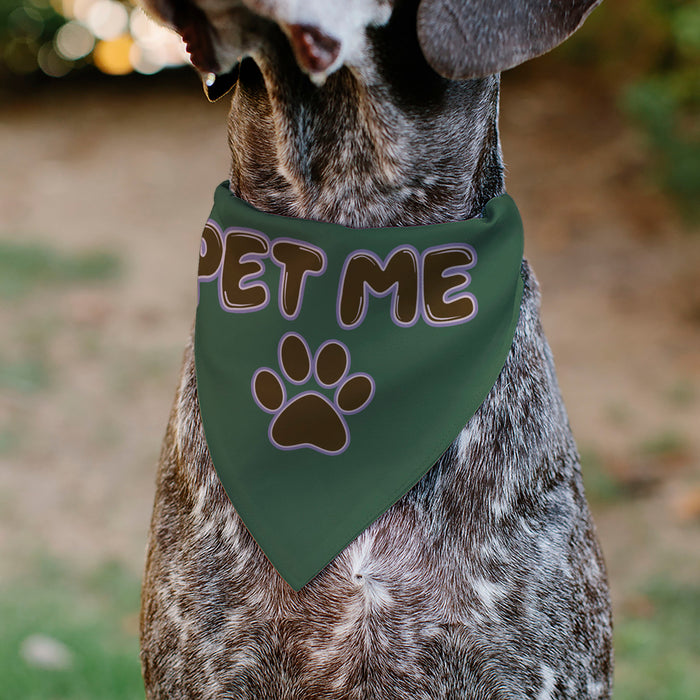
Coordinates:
(315, 52)
(218, 42)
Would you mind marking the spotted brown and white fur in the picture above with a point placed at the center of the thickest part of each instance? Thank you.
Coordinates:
(486, 579)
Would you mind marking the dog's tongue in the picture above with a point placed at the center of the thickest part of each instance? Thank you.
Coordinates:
(314, 50)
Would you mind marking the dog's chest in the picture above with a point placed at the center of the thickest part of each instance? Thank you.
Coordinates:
(478, 583)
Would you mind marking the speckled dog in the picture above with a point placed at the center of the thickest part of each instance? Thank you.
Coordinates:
(486, 579)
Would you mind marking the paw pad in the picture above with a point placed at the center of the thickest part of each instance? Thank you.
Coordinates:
(310, 418)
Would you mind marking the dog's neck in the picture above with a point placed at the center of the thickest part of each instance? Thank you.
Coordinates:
(389, 144)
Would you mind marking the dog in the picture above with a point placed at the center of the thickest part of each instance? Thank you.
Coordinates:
(486, 579)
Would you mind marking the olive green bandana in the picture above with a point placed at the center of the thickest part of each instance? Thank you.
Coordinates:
(335, 365)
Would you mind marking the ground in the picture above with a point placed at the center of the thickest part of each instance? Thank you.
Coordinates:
(108, 187)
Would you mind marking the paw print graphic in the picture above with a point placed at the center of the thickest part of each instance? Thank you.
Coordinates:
(310, 418)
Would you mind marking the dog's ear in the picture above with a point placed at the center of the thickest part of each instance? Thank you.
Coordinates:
(463, 39)
(190, 22)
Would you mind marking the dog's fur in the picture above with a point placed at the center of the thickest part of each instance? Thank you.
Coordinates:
(486, 579)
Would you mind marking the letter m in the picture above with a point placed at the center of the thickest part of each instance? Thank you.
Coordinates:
(364, 274)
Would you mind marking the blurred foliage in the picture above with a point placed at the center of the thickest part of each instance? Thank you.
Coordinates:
(649, 52)
(657, 645)
(57, 37)
(603, 487)
(27, 266)
(91, 618)
(667, 104)
(27, 32)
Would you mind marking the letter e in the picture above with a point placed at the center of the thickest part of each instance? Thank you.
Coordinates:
(243, 254)
(444, 301)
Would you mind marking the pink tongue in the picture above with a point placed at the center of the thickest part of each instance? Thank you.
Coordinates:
(314, 50)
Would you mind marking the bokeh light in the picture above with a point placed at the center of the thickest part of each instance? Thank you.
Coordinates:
(26, 20)
(58, 36)
(107, 19)
(112, 56)
(52, 63)
(20, 55)
(73, 41)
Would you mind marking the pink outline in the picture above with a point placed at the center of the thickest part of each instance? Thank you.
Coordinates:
(281, 364)
(203, 252)
(346, 350)
(306, 274)
(333, 405)
(367, 402)
(453, 291)
(249, 276)
(315, 448)
(391, 290)
(255, 396)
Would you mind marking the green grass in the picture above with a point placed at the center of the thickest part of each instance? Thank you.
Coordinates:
(94, 618)
(658, 654)
(27, 266)
(8, 441)
(667, 443)
(602, 487)
(657, 650)
(619, 413)
(25, 376)
(681, 394)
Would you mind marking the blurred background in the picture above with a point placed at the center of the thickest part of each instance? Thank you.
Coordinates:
(109, 155)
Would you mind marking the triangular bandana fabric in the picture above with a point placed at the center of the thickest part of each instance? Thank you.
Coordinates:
(335, 365)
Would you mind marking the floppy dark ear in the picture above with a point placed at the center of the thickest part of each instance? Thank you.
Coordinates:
(473, 38)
